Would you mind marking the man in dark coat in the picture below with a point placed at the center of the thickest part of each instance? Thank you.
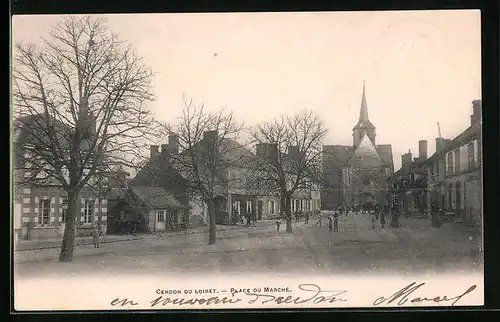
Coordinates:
(382, 216)
(336, 221)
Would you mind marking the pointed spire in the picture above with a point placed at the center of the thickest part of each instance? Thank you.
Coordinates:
(363, 114)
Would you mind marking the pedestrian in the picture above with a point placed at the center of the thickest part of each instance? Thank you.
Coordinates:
(336, 222)
(297, 218)
(330, 223)
(382, 217)
(373, 220)
(278, 223)
(248, 219)
(307, 217)
(320, 220)
(96, 237)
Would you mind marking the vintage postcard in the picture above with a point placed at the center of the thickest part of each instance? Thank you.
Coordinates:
(247, 160)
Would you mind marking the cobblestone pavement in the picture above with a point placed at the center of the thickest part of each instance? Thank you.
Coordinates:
(415, 247)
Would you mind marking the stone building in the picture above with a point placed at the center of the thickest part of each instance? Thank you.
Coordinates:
(409, 183)
(455, 172)
(39, 201)
(357, 174)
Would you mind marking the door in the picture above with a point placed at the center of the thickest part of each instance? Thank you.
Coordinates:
(259, 209)
(160, 220)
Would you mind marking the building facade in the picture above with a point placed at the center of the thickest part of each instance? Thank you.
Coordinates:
(39, 201)
(409, 183)
(357, 174)
(455, 172)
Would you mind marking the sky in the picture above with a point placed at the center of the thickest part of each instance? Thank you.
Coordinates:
(420, 67)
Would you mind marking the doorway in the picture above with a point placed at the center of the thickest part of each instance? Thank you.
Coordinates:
(259, 210)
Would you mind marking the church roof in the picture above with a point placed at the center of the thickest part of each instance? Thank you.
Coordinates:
(366, 155)
(385, 152)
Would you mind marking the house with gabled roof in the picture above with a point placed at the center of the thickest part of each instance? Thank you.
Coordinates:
(39, 201)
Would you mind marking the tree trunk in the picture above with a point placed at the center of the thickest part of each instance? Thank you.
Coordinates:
(212, 226)
(68, 243)
(285, 205)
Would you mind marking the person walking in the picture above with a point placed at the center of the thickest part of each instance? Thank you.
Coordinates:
(307, 217)
(330, 223)
(96, 237)
(336, 221)
(320, 220)
(278, 224)
(382, 217)
(374, 219)
(297, 218)
(248, 219)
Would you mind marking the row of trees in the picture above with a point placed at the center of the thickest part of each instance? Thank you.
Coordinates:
(81, 99)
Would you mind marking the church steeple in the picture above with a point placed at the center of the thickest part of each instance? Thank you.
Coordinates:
(364, 125)
(363, 114)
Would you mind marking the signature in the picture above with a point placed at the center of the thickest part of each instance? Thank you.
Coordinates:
(403, 296)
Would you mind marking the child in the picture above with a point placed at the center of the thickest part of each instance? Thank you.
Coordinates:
(95, 237)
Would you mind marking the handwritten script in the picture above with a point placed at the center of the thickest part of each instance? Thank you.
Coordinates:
(306, 294)
(403, 296)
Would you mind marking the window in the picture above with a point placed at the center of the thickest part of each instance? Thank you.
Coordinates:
(449, 166)
(271, 207)
(249, 207)
(44, 213)
(88, 211)
(457, 161)
(63, 209)
(237, 207)
(471, 156)
(476, 153)
(160, 216)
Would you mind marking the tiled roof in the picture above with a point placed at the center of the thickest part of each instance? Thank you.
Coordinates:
(117, 193)
(156, 198)
(33, 129)
(337, 155)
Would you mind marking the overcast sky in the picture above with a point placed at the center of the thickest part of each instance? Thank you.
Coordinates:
(420, 67)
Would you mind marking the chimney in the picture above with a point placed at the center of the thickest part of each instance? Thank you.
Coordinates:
(267, 151)
(406, 159)
(164, 148)
(209, 141)
(439, 144)
(422, 150)
(210, 136)
(173, 144)
(476, 116)
(153, 149)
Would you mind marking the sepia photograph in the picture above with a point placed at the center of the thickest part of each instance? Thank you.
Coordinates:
(246, 160)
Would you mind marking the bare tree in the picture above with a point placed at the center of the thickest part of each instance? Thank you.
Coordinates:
(290, 158)
(208, 151)
(80, 98)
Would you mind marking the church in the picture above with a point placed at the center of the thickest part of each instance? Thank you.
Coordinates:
(357, 174)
